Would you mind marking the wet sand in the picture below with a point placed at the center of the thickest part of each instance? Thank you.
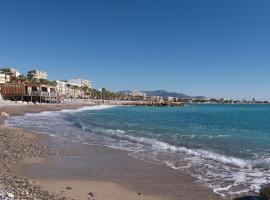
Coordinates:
(80, 171)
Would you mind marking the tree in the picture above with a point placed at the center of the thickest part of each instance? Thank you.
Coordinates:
(30, 78)
(22, 78)
(86, 90)
(103, 91)
(95, 94)
(75, 89)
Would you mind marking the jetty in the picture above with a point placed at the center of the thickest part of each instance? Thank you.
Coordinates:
(140, 103)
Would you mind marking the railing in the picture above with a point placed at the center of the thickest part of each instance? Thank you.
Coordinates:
(45, 94)
(35, 93)
(53, 94)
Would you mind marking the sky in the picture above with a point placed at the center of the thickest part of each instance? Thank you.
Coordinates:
(214, 48)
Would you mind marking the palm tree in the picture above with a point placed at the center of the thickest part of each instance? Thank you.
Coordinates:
(30, 78)
(103, 92)
(22, 78)
(68, 87)
(95, 93)
(44, 81)
(53, 83)
(86, 90)
(75, 89)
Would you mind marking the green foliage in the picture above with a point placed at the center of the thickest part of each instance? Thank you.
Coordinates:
(5, 70)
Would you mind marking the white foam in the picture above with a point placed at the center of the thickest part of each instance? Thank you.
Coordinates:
(55, 113)
(220, 190)
(240, 177)
(171, 165)
(98, 107)
(159, 145)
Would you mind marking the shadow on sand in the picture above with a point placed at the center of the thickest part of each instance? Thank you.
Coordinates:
(248, 198)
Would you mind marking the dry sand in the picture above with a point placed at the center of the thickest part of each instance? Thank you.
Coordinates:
(80, 189)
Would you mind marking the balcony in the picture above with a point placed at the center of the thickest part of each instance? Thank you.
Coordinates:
(53, 94)
(40, 93)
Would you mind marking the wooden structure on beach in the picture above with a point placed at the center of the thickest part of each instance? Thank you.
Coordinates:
(34, 92)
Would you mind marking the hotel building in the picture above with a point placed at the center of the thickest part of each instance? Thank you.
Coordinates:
(38, 74)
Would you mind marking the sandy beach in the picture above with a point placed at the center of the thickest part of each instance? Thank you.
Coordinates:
(36, 166)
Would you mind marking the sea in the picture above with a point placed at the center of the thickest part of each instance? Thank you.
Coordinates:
(226, 147)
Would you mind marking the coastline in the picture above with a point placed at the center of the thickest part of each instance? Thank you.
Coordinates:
(79, 171)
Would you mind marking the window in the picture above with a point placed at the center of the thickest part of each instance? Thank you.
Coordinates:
(52, 90)
(44, 89)
(34, 88)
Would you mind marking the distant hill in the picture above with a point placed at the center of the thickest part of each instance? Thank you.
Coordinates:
(125, 91)
(164, 93)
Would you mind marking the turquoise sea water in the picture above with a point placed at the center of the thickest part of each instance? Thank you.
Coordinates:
(226, 147)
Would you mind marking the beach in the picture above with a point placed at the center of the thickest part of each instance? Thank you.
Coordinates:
(48, 167)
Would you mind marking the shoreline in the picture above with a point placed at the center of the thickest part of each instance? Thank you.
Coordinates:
(125, 178)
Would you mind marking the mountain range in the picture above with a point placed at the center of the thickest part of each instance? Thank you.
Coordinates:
(164, 93)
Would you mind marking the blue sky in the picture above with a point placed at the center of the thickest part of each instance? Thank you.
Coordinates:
(216, 48)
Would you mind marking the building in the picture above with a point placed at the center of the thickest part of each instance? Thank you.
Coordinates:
(86, 83)
(29, 92)
(75, 82)
(156, 98)
(80, 82)
(171, 98)
(75, 86)
(38, 74)
(6, 74)
(62, 88)
(141, 94)
(14, 73)
(4, 78)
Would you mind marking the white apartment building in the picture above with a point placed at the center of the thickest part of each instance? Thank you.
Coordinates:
(75, 82)
(72, 87)
(62, 87)
(141, 94)
(171, 98)
(14, 72)
(80, 82)
(38, 74)
(86, 83)
(4, 78)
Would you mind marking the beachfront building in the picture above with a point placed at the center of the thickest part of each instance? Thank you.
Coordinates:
(86, 83)
(6, 74)
(38, 74)
(62, 88)
(75, 82)
(4, 78)
(80, 82)
(14, 73)
(71, 88)
(29, 92)
(68, 89)
(76, 87)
